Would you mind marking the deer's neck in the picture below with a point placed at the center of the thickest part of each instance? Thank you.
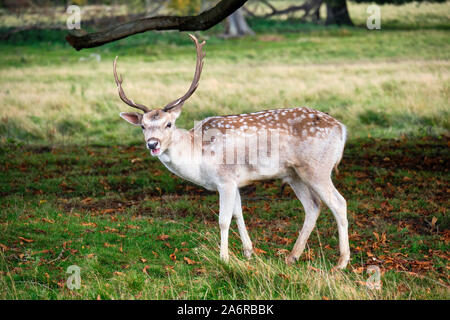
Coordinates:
(180, 157)
(176, 153)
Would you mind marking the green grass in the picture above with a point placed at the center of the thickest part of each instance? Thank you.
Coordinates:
(103, 209)
(78, 188)
(52, 95)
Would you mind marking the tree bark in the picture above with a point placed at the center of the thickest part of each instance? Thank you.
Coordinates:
(337, 13)
(203, 21)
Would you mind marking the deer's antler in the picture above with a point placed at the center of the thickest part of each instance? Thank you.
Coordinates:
(198, 70)
(122, 95)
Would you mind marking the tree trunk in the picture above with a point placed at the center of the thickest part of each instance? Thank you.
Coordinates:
(337, 13)
(237, 26)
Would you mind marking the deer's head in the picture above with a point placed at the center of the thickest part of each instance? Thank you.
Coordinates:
(158, 125)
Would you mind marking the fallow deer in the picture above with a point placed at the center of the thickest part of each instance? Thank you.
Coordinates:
(224, 153)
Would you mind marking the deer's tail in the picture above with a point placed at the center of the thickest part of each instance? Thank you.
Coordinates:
(341, 149)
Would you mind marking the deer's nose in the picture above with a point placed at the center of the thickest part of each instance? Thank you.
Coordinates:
(152, 144)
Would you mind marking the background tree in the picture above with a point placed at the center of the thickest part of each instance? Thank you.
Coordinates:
(337, 13)
(236, 25)
(336, 10)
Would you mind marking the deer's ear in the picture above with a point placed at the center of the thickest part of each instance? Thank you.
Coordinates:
(175, 112)
(132, 117)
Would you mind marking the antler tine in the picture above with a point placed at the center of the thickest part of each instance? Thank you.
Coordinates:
(195, 81)
(122, 95)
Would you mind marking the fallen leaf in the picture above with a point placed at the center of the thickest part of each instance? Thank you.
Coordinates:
(169, 268)
(145, 269)
(433, 221)
(358, 270)
(26, 240)
(106, 211)
(199, 271)
(377, 236)
(313, 269)
(48, 220)
(42, 251)
(258, 251)
(132, 227)
(282, 252)
(89, 224)
(189, 261)
(162, 237)
(86, 200)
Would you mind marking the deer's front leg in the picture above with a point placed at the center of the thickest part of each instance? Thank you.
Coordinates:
(227, 196)
(246, 242)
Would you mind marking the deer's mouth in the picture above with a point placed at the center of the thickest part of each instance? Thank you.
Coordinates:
(155, 152)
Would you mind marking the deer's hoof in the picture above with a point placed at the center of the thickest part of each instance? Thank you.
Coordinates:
(342, 264)
(248, 253)
(225, 258)
(290, 260)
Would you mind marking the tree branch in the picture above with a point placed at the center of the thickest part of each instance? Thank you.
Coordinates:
(203, 21)
(287, 10)
(307, 6)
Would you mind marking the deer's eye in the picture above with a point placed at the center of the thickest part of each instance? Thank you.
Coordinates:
(168, 125)
(143, 128)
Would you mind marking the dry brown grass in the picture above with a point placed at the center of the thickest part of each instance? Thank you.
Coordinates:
(344, 89)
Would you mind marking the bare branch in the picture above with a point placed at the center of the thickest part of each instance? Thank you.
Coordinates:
(307, 6)
(203, 21)
(267, 3)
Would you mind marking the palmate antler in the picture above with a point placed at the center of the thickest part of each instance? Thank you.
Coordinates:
(176, 103)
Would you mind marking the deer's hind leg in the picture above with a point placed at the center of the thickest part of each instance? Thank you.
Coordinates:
(227, 198)
(311, 204)
(319, 181)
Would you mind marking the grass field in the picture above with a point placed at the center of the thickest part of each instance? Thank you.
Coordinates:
(77, 186)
